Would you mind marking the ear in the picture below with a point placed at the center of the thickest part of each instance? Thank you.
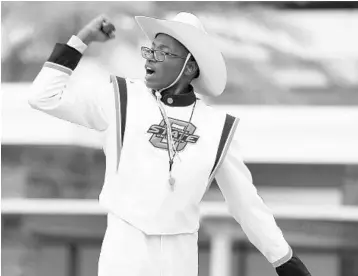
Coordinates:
(191, 68)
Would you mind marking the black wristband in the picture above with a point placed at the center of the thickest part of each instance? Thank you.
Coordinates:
(293, 267)
(65, 55)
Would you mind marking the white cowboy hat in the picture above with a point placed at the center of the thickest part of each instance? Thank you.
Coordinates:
(188, 30)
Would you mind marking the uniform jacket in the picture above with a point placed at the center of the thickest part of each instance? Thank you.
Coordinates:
(136, 181)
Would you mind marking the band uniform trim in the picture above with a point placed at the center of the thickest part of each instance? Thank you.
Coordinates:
(120, 99)
(284, 259)
(58, 67)
(229, 129)
(65, 55)
(122, 88)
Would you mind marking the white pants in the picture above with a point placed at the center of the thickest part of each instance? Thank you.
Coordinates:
(127, 251)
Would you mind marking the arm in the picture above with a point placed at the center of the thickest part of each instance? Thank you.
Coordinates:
(54, 92)
(255, 218)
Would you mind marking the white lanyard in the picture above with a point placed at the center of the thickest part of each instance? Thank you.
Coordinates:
(172, 151)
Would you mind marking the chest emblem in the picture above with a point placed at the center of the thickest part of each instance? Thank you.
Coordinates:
(182, 132)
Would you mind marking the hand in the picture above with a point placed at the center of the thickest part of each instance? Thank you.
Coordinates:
(99, 29)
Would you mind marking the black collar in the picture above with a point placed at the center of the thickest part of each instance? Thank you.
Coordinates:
(184, 99)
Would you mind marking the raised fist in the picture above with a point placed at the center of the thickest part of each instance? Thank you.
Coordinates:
(99, 29)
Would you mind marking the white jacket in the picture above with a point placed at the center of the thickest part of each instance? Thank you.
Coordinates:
(136, 181)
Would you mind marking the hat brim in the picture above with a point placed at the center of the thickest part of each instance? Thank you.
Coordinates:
(212, 78)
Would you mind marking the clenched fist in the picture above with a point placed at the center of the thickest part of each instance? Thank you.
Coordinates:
(99, 29)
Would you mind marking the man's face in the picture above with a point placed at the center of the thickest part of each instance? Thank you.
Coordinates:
(162, 74)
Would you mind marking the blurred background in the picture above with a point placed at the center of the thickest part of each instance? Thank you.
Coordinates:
(293, 81)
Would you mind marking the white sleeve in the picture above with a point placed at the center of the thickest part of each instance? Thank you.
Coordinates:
(54, 92)
(248, 208)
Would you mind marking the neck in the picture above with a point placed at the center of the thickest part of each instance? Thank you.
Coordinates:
(178, 89)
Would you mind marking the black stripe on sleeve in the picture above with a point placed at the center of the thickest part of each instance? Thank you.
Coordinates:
(122, 87)
(229, 122)
(65, 55)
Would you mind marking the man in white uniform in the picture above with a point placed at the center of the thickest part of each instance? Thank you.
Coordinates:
(163, 149)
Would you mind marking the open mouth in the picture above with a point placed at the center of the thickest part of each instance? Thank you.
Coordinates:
(149, 71)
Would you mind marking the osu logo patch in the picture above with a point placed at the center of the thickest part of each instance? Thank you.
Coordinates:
(181, 139)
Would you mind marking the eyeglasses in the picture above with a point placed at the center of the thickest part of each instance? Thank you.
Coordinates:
(157, 55)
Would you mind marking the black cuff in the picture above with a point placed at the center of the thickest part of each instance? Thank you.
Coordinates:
(293, 267)
(65, 55)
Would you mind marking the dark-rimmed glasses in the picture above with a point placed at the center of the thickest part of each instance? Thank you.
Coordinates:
(157, 55)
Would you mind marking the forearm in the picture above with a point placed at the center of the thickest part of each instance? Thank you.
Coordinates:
(55, 93)
(249, 210)
(259, 224)
(254, 216)
(49, 85)
(51, 90)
